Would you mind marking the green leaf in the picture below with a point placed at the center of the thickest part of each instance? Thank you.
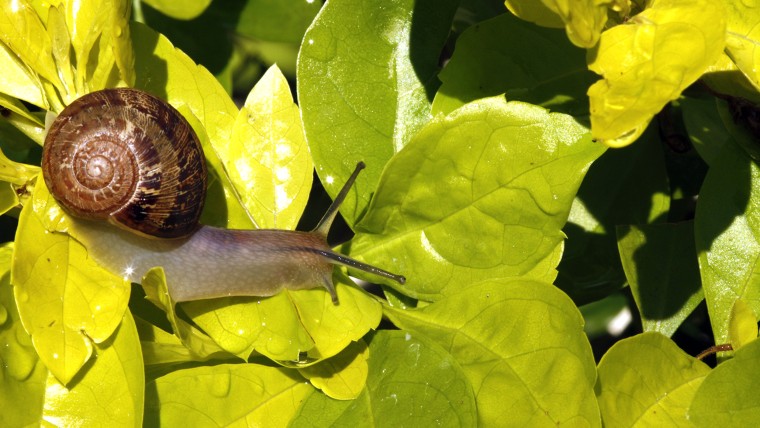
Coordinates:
(728, 395)
(742, 327)
(282, 21)
(529, 63)
(273, 172)
(225, 395)
(343, 376)
(660, 263)
(743, 38)
(111, 388)
(706, 131)
(648, 61)
(482, 193)
(646, 380)
(727, 235)
(511, 338)
(624, 186)
(99, 31)
(22, 31)
(22, 374)
(185, 9)
(18, 81)
(65, 300)
(8, 197)
(363, 91)
(411, 379)
(292, 327)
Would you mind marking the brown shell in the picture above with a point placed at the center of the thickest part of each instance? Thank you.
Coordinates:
(125, 156)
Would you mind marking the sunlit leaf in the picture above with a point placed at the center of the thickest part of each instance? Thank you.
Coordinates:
(273, 171)
(111, 388)
(22, 374)
(743, 38)
(17, 81)
(22, 31)
(292, 327)
(660, 263)
(647, 380)
(363, 91)
(482, 193)
(410, 378)
(65, 300)
(343, 376)
(583, 19)
(524, 332)
(648, 61)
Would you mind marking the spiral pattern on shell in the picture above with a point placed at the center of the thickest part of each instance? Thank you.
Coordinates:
(125, 156)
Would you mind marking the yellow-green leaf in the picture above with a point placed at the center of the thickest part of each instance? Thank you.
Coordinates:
(22, 31)
(231, 395)
(742, 325)
(111, 390)
(18, 81)
(16, 173)
(534, 11)
(103, 27)
(292, 327)
(743, 38)
(22, 374)
(272, 167)
(343, 376)
(648, 61)
(65, 300)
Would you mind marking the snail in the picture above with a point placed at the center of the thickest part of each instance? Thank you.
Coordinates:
(122, 157)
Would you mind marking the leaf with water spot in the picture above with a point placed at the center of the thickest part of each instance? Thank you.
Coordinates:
(225, 395)
(291, 327)
(512, 338)
(411, 378)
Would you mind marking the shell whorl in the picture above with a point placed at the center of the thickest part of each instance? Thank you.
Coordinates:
(125, 156)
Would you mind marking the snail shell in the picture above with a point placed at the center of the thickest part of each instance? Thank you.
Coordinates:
(125, 156)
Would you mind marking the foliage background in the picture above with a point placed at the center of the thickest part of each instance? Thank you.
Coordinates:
(485, 126)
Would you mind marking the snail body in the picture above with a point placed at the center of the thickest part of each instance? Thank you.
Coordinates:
(126, 158)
